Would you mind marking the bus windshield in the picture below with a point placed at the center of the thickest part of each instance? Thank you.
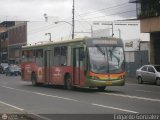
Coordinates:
(106, 59)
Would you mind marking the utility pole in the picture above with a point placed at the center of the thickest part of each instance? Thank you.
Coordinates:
(73, 21)
(0, 48)
(49, 36)
(112, 30)
(91, 31)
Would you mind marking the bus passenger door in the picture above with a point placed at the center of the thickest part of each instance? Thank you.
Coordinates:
(78, 66)
(47, 69)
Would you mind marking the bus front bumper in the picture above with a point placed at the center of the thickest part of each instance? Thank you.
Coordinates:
(96, 83)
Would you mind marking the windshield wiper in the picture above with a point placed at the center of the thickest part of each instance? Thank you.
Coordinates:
(100, 49)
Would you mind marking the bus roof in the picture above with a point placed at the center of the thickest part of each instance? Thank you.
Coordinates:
(68, 41)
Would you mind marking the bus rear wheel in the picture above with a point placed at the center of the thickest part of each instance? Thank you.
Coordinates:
(101, 88)
(34, 79)
(68, 82)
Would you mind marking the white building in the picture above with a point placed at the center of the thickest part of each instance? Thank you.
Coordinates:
(125, 29)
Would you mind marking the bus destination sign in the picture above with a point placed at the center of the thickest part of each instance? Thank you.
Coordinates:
(106, 42)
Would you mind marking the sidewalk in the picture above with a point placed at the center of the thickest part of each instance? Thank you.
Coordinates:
(10, 113)
(7, 109)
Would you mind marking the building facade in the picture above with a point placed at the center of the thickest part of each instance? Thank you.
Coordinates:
(124, 29)
(137, 53)
(148, 11)
(4, 39)
(11, 40)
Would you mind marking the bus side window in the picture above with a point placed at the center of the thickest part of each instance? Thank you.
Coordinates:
(31, 55)
(39, 57)
(57, 54)
(24, 56)
(81, 56)
(63, 56)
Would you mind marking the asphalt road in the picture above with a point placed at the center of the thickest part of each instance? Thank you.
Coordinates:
(129, 99)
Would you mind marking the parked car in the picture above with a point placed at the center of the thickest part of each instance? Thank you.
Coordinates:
(13, 70)
(148, 73)
(3, 67)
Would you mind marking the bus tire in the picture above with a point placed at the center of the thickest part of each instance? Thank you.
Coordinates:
(101, 88)
(34, 79)
(68, 82)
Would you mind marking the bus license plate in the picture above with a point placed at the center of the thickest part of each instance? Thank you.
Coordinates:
(109, 83)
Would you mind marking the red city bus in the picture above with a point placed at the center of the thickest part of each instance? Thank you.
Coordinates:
(87, 62)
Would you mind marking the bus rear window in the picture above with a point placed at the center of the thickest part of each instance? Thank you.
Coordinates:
(31, 55)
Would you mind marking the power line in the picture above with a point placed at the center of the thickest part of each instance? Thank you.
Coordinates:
(111, 10)
(90, 24)
(81, 24)
(108, 15)
(115, 6)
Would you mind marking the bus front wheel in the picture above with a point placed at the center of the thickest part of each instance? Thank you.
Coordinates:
(101, 88)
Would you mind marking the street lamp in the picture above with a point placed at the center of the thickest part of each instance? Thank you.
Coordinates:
(49, 35)
(67, 23)
(73, 22)
(111, 28)
(73, 19)
(46, 17)
(63, 21)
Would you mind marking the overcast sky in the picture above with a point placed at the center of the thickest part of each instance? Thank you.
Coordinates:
(33, 10)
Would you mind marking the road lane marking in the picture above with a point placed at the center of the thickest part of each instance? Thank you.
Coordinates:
(12, 106)
(68, 99)
(134, 97)
(40, 94)
(55, 96)
(8, 87)
(16, 89)
(124, 110)
(143, 91)
(143, 85)
(5, 83)
(131, 84)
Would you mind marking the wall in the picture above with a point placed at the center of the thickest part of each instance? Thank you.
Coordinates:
(136, 54)
(134, 60)
(125, 29)
(155, 48)
(17, 36)
(149, 25)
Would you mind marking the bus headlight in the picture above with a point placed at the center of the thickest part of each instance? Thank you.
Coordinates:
(122, 77)
(94, 77)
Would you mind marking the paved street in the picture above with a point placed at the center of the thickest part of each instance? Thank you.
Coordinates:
(22, 97)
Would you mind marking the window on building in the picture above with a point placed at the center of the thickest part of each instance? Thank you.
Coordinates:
(150, 8)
